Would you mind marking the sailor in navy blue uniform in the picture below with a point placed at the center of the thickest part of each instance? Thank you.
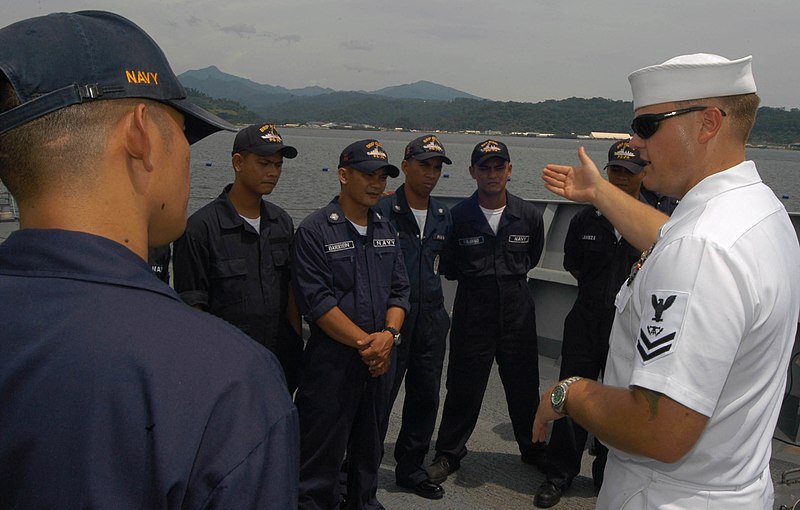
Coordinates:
(351, 286)
(233, 259)
(115, 394)
(601, 260)
(158, 258)
(497, 238)
(423, 224)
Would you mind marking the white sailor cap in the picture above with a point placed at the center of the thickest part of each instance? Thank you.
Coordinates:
(689, 77)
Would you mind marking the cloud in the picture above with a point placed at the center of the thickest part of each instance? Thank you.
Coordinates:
(291, 38)
(240, 29)
(359, 68)
(354, 45)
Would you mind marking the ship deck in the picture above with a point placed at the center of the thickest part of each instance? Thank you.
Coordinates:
(492, 475)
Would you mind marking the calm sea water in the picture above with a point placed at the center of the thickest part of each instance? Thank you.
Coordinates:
(305, 185)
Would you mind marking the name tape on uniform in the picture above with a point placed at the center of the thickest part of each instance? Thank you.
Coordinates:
(470, 241)
(517, 239)
(381, 243)
(344, 245)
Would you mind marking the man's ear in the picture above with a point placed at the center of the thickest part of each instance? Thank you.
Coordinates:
(342, 175)
(139, 127)
(712, 123)
(236, 161)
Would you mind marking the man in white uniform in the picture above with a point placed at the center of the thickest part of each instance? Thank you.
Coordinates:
(705, 323)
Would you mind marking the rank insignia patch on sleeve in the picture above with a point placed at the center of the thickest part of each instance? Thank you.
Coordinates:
(662, 318)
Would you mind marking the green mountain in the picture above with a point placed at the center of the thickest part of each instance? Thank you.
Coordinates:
(224, 108)
(415, 106)
(424, 90)
(216, 83)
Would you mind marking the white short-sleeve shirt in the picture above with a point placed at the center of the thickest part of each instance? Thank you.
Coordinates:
(710, 321)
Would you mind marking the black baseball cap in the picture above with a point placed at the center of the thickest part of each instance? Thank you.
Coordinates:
(622, 154)
(367, 156)
(262, 139)
(489, 149)
(426, 147)
(63, 59)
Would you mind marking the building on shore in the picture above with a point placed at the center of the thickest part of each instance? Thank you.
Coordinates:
(602, 135)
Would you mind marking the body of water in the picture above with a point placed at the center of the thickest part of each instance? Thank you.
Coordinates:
(305, 186)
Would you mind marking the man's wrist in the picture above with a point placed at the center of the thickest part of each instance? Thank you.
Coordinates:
(558, 397)
(395, 334)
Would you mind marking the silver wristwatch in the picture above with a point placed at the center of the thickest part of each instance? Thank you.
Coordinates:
(395, 334)
(558, 398)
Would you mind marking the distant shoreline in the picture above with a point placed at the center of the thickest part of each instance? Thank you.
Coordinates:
(562, 136)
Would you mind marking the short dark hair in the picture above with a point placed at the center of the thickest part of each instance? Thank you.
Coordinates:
(49, 150)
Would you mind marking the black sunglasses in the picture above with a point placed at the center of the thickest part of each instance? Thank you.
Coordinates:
(645, 126)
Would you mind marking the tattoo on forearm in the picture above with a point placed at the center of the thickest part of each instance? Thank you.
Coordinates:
(652, 400)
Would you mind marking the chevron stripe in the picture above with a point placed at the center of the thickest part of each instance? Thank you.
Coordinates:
(650, 350)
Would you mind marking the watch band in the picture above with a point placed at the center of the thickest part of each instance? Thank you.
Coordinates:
(558, 398)
(394, 332)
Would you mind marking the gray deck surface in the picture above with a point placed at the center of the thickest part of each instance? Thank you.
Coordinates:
(492, 475)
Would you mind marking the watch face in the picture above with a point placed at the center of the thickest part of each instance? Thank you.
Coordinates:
(557, 397)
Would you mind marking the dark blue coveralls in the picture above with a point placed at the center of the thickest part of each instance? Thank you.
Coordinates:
(603, 263)
(241, 275)
(493, 317)
(159, 258)
(420, 355)
(341, 406)
(115, 394)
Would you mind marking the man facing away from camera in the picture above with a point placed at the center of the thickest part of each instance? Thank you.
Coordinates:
(706, 321)
(115, 393)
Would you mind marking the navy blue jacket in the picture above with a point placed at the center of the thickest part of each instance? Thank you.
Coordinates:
(421, 256)
(603, 263)
(115, 394)
(236, 273)
(474, 251)
(333, 267)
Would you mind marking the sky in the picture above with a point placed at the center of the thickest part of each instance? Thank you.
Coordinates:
(511, 50)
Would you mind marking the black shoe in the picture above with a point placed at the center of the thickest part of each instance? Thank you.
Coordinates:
(549, 494)
(426, 489)
(441, 469)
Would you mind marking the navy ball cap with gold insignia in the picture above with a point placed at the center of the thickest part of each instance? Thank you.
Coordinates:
(263, 140)
(367, 156)
(488, 149)
(426, 147)
(63, 59)
(623, 155)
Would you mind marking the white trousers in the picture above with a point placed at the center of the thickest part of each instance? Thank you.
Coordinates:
(628, 487)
